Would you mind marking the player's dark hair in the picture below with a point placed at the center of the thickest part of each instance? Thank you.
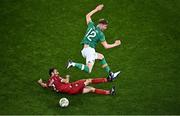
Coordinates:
(51, 70)
(103, 21)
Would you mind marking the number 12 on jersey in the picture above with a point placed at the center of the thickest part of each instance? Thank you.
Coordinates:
(90, 34)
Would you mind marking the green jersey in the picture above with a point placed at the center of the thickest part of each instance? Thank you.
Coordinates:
(93, 35)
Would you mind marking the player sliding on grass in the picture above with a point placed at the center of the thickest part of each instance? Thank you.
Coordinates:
(94, 34)
(62, 85)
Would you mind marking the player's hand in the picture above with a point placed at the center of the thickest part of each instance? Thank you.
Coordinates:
(99, 7)
(117, 42)
(40, 81)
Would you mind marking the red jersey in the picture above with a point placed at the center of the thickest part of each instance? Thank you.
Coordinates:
(57, 84)
(70, 88)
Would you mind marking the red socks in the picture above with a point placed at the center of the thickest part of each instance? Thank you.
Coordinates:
(101, 91)
(99, 80)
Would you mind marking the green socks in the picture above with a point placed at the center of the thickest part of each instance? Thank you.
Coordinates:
(105, 65)
(86, 68)
(82, 67)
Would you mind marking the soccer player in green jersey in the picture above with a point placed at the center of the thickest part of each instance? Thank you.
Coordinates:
(94, 34)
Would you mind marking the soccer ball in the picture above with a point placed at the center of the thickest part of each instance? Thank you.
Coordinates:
(63, 102)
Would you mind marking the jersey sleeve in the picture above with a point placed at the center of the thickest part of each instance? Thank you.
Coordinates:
(49, 82)
(102, 37)
(90, 24)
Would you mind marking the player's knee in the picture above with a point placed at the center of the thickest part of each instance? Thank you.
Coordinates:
(92, 89)
(90, 69)
(101, 56)
(89, 80)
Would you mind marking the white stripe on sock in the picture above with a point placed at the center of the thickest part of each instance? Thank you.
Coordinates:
(73, 64)
(82, 68)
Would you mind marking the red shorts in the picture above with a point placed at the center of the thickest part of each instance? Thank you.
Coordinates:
(77, 87)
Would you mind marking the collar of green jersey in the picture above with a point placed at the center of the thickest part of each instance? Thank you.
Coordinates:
(98, 29)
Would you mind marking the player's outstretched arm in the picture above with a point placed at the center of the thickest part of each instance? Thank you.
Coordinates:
(108, 46)
(88, 16)
(41, 83)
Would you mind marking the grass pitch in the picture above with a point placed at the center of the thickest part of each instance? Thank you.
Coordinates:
(38, 34)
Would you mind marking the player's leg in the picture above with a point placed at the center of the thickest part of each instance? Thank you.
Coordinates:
(79, 66)
(93, 81)
(90, 64)
(100, 80)
(104, 64)
(90, 59)
(90, 56)
(89, 89)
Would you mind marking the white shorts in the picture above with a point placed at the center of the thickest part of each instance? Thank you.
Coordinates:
(90, 54)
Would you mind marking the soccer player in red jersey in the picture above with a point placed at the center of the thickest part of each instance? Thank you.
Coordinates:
(63, 85)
